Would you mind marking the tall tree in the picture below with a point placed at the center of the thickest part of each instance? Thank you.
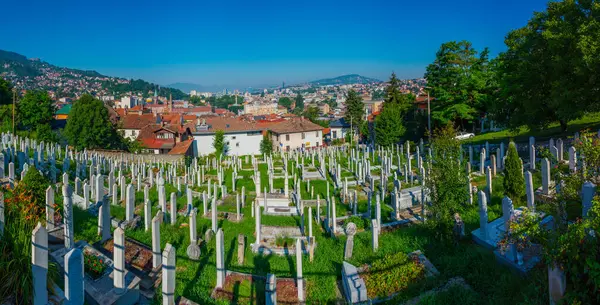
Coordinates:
(89, 126)
(34, 109)
(219, 143)
(549, 72)
(389, 124)
(389, 127)
(460, 81)
(355, 108)
(299, 102)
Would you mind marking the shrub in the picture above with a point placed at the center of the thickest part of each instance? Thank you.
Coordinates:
(360, 222)
(514, 182)
(34, 184)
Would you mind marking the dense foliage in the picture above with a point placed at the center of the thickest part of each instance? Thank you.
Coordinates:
(285, 102)
(550, 69)
(355, 108)
(35, 109)
(514, 182)
(447, 183)
(460, 78)
(389, 124)
(5, 92)
(89, 126)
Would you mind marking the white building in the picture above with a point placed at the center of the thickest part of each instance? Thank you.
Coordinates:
(128, 102)
(241, 138)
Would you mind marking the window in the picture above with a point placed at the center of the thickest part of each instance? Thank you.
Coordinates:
(317, 134)
(287, 137)
(335, 134)
(287, 148)
(233, 138)
(237, 144)
(303, 136)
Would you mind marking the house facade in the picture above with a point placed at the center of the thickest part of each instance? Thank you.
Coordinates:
(296, 133)
(339, 129)
(240, 137)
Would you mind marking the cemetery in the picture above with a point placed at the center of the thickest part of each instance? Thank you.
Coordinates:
(341, 224)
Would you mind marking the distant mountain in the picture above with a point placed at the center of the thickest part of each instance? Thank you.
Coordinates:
(345, 80)
(36, 74)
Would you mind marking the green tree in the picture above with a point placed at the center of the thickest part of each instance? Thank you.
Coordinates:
(285, 102)
(460, 79)
(266, 144)
(550, 69)
(196, 100)
(43, 132)
(514, 182)
(446, 182)
(219, 143)
(299, 102)
(88, 125)
(34, 109)
(355, 108)
(389, 124)
(5, 92)
(311, 113)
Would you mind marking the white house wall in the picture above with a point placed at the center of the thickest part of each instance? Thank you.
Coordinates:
(311, 139)
(239, 143)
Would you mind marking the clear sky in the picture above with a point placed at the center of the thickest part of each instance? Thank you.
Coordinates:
(252, 43)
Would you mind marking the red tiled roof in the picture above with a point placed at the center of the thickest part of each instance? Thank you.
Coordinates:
(181, 148)
(137, 121)
(227, 124)
(158, 143)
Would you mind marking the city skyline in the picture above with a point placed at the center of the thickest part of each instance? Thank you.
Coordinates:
(253, 44)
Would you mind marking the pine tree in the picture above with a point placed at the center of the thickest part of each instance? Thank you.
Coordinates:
(389, 124)
(355, 108)
(514, 182)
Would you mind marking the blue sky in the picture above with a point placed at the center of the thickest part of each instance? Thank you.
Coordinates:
(251, 43)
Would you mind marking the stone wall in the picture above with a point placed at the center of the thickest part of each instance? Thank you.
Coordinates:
(136, 157)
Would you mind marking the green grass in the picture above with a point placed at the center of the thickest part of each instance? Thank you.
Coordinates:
(590, 121)
(492, 283)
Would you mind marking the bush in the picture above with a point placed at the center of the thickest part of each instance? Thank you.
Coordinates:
(35, 185)
(514, 182)
(360, 222)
